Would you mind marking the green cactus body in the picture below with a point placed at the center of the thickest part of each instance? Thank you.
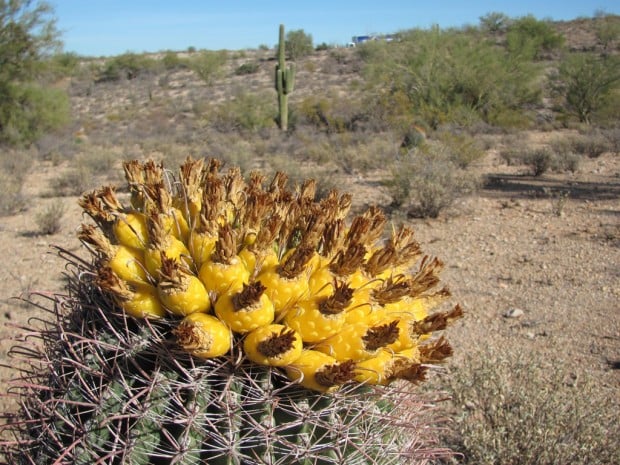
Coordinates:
(284, 82)
(100, 386)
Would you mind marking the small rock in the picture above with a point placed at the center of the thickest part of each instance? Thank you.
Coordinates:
(513, 313)
(530, 335)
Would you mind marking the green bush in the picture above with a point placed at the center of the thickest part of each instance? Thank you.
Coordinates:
(319, 112)
(29, 110)
(208, 65)
(451, 76)
(532, 39)
(245, 111)
(494, 22)
(171, 60)
(587, 84)
(247, 68)
(63, 64)
(298, 44)
(462, 149)
(127, 66)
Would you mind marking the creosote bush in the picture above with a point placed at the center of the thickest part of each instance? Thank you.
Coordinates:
(234, 321)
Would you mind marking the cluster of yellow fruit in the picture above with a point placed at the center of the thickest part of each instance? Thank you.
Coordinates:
(231, 261)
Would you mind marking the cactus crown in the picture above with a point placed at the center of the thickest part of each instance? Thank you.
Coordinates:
(145, 368)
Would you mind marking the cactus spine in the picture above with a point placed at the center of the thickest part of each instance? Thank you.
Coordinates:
(284, 81)
(188, 384)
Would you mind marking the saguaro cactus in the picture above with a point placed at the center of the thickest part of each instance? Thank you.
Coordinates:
(285, 80)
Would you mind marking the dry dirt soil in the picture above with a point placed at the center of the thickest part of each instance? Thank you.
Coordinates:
(545, 250)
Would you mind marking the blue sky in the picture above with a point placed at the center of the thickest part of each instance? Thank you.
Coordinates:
(112, 27)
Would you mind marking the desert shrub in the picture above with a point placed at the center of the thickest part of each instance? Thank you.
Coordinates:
(331, 113)
(27, 109)
(612, 135)
(586, 84)
(72, 182)
(97, 160)
(511, 409)
(171, 61)
(30, 110)
(539, 160)
(607, 30)
(494, 22)
(564, 157)
(126, 66)
(63, 64)
(298, 44)
(245, 111)
(427, 181)
(319, 112)
(412, 138)
(462, 148)
(49, 220)
(208, 65)
(247, 68)
(447, 76)
(592, 144)
(532, 39)
(12, 199)
(361, 155)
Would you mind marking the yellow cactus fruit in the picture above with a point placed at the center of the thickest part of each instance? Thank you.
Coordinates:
(162, 241)
(201, 245)
(320, 317)
(320, 372)
(247, 309)
(224, 272)
(203, 335)
(258, 252)
(139, 301)
(283, 277)
(176, 224)
(363, 309)
(131, 230)
(273, 345)
(408, 308)
(287, 283)
(256, 260)
(407, 337)
(321, 281)
(375, 370)
(359, 341)
(126, 262)
(181, 292)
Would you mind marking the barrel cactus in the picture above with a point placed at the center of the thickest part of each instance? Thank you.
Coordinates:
(235, 321)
